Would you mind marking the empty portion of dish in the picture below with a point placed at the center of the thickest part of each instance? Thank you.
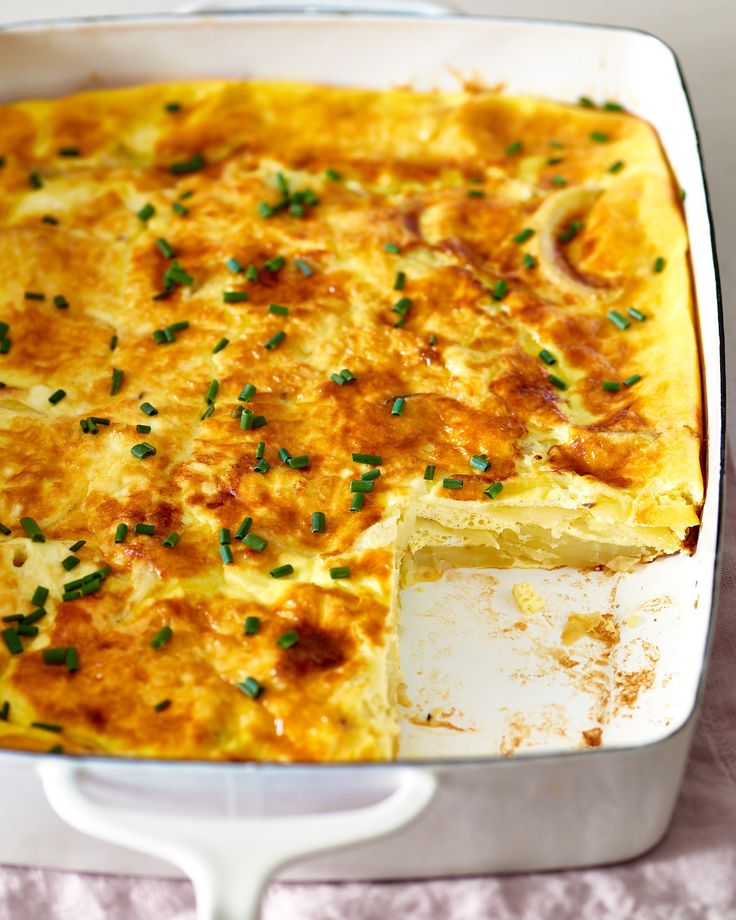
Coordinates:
(261, 343)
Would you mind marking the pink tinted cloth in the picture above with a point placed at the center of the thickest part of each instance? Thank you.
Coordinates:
(691, 875)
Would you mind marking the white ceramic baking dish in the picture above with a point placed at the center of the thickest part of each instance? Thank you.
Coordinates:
(455, 802)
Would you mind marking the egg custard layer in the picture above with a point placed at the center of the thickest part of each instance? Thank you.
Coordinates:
(261, 342)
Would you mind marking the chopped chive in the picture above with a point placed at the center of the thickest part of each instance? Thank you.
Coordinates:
(476, 193)
(265, 210)
(70, 562)
(514, 148)
(234, 296)
(165, 248)
(318, 522)
(402, 306)
(117, 381)
(178, 208)
(400, 281)
(304, 267)
(71, 595)
(34, 295)
(599, 137)
(333, 174)
(6, 531)
(555, 161)
(251, 273)
(171, 541)
(39, 596)
(5, 346)
(288, 639)
(247, 393)
(282, 571)
(336, 378)
(340, 571)
(630, 381)
(193, 164)
(121, 532)
(32, 530)
(570, 231)
(77, 546)
(26, 629)
(361, 485)
(523, 235)
(241, 532)
(275, 264)
(493, 490)
(47, 727)
(250, 687)
(348, 376)
(529, 261)
(683, 194)
(162, 706)
(84, 425)
(38, 614)
(251, 626)
(449, 482)
(223, 343)
(618, 319)
(148, 409)
(146, 212)
(91, 587)
(480, 462)
(586, 102)
(254, 542)
(432, 340)
(179, 326)
(263, 466)
(72, 659)
(278, 310)
(547, 356)
(611, 386)
(211, 394)
(143, 429)
(113, 342)
(659, 264)
(207, 412)
(284, 454)
(391, 247)
(73, 585)
(246, 419)
(298, 463)
(173, 107)
(613, 107)
(559, 181)
(227, 554)
(636, 314)
(60, 302)
(557, 381)
(500, 289)
(11, 640)
(162, 637)
(148, 529)
(616, 166)
(224, 535)
(13, 618)
(398, 406)
(371, 459)
(49, 219)
(276, 339)
(5, 711)
(357, 503)
(92, 426)
(429, 472)
(260, 450)
(57, 396)
(34, 180)
(371, 475)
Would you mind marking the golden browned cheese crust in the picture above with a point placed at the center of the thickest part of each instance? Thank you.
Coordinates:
(431, 244)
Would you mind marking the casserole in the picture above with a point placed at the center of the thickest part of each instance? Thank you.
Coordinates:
(588, 806)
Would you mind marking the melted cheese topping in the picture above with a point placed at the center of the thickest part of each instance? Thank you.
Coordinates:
(501, 249)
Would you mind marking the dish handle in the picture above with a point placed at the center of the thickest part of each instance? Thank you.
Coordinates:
(230, 859)
(370, 7)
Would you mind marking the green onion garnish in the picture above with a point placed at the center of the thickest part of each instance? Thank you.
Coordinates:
(254, 542)
(371, 475)
(557, 381)
(54, 655)
(247, 393)
(72, 659)
(71, 595)
(244, 528)
(246, 419)
(57, 396)
(38, 614)
(60, 302)
(24, 629)
(336, 378)
(276, 339)
(193, 164)
(357, 503)
(304, 267)
(318, 522)
(493, 490)
(570, 231)
(47, 218)
(555, 161)
(251, 626)
(250, 687)
(278, 310)
(121, 532)
(178, 208)
(400, 281)
(148, 409)
(683, 194)
(224, 535)
(636, 314)
(586, 102)
(333, 174)
(361, 485)
(523, 235)
(34, 295)
(618, 319)
(223, 343)
(234, 296)
(611, 386)
(13, 618)
(500, 289)
(146, 212)
(617, 166)
(559, 181)
(171, 541)
(275, 264)
(659, 264)
(173, 107)
(391, 247)
(514, 148)
(449, 482)
(476, 193)
(165, 248)
(599, 137)
(630, 381)
(6, 531)
(340, 571)
(34, 180)
(348, 376)
(429, 472)
(11, 640)
(547, 356)
(5, 346)
(75, 547)
(398, 406)
(260, 450)
(529, 261)
(70, 562)
(39, 596)
(162, 706)
(432, 340)
(143, 429)
(480, 462)
(613, 107)
(282, 571)
(113, 342)
(298, 463)
(212, 389)
(284, 454)
(117, 381)
(402, 306)
(226, 554)
(5, 711)
(251, 273)
(47, 726)
(288, 638)
(147, 529)
(32, 530)
(162, 637)
(371, 459)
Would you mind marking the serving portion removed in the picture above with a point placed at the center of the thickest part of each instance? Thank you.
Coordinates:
(269, 349)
